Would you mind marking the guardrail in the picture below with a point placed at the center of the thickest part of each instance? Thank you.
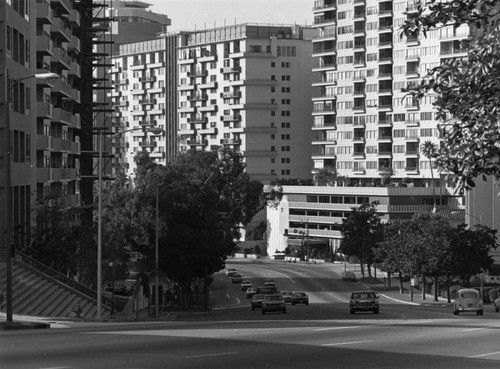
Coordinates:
(61, 278)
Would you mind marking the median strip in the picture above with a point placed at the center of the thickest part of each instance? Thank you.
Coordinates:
(345, 343)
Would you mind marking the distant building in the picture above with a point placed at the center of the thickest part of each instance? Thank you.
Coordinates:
(248, 87)
(313, 214)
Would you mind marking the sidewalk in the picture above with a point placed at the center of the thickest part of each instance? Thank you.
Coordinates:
(381, 286)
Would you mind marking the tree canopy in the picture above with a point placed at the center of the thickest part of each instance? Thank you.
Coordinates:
(467, 89)
(203, 199)
(361, 231)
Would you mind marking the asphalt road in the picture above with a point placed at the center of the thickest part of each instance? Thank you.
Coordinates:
(321, 335)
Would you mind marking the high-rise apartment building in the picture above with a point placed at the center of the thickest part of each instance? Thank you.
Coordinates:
(40, 121)
(248, 87)
(142, 78)
(364, 125)
(132, 32)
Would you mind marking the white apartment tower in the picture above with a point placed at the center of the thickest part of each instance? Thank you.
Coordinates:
(363, 123)
(248, 87)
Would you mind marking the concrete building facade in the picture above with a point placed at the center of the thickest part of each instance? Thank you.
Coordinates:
(364, 125)
(40, 125)
(248, 87)
(313, 214)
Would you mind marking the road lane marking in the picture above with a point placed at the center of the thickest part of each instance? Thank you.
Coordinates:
(483, 355)
(333, 328)
(210, 355)
(345, 343)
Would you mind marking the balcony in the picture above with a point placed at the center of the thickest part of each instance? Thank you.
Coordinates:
(234, 69)
(412, 123)
(61, 115)
(231, 118)
(60, 30)
(44, 13)
(147, 79)
(231, 95)
(198, 120)
(44, 44)
(230, 141)
(138, 65)
(147, 101)
(197, 73)
(199, 97)
(208, 85)
(324, 5)
(187, 86)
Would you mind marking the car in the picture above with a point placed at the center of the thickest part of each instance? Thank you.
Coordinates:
(468, 300)
(287, 296)
(269, 284)
(266, 290)
(246, 284)
(257, 301)
(348, 276)
(272, 303)
(299, 297)
(363, 301)
(236, 278)
(496, 304)
(250, 292)
(230, 272)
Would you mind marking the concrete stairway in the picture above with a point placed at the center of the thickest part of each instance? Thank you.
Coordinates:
(37, 294)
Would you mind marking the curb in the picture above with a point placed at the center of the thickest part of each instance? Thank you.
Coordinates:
(4, 326)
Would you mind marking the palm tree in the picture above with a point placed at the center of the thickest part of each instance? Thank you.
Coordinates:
(429, 150)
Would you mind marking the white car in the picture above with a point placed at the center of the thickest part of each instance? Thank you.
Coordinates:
(230, 272)
(468, 300)
(246, 284)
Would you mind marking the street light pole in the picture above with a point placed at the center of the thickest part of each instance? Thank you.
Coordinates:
(8, 194)
(157, 300)
(99, 214)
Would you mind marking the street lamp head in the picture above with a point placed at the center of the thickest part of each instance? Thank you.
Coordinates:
(46, 76)
(155, 130)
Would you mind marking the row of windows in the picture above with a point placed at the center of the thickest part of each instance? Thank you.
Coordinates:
(326, 199)
(408, 164)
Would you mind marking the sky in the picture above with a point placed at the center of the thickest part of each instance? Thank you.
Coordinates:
(188, 15)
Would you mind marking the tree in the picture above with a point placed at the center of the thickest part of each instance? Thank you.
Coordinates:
(328, 177)
(429, 150)
(55, 236)
(394, 253)
(471, 251)
(467, 89)
(361, 231)
(204, 198)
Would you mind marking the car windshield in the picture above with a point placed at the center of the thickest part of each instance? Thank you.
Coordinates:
(299, 294)
(273, 297)
(468, 295)
(363, 295)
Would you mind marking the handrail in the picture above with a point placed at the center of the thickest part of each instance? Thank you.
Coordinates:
(61, 278)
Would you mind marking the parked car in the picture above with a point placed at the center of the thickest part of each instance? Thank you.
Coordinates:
(257, 301)
(246, 284)
(363, 301)
(250, 292)
(299, 297)
(287, 296)
(348, 276)
(230, 272)
(468, 300)
(273, 303)
(236, 278)
(269, 284)
(496, 304)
